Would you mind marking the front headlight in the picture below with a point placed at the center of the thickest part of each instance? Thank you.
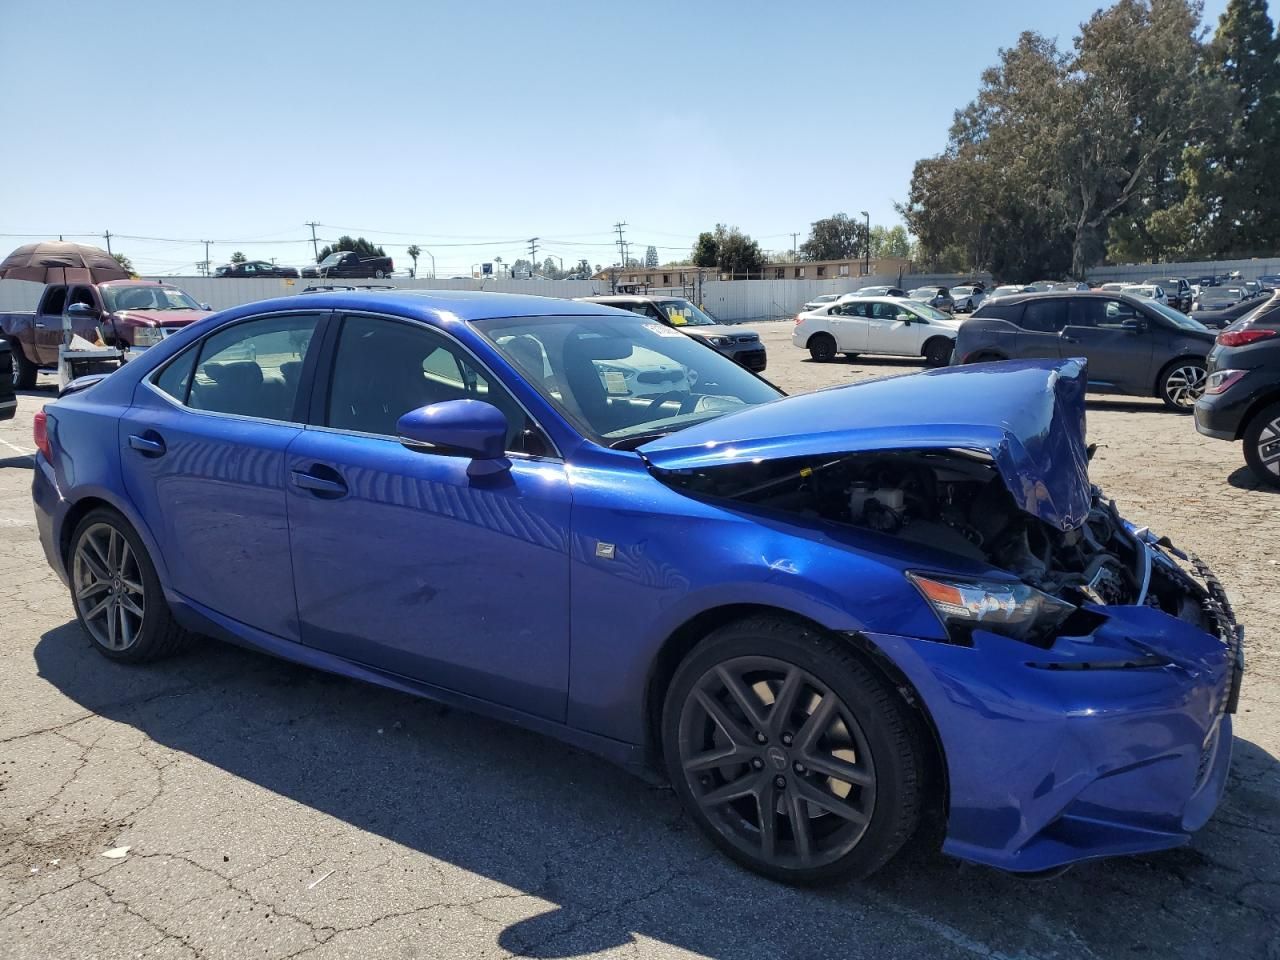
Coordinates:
(720, 341)
(1008, 608)
(147, 336)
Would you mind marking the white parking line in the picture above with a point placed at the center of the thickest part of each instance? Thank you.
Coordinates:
(17, 449)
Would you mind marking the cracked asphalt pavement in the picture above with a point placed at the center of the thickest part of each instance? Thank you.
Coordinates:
(271, 811)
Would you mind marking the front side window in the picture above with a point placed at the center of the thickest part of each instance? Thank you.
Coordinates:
(384, 369)
(621, 380)
(252, 369)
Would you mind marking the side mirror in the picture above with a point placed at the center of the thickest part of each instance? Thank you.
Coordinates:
(459, 428)
(1134, 325)
(206, 307)
(82, 311)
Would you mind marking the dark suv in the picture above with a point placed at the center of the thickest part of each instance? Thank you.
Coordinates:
(736, 343)
(1242, 399)
(1177, 289)
(1133, 345)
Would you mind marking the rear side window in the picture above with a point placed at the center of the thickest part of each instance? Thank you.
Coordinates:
(1000, 311)
(1045, 316)
(175, 379)
(252, 369)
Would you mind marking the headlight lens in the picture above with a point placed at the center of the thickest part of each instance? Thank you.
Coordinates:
(147, 336)
(1221, 380)
(1011, 609)
(720, 341)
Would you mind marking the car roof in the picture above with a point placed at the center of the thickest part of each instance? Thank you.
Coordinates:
(133, 283)
(441, 305)
(626, 298)
(1067, 295)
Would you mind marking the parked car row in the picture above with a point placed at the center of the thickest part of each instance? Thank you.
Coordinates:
(340, 263)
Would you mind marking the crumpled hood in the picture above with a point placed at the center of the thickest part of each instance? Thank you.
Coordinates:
(161, 318)
(1027, 416)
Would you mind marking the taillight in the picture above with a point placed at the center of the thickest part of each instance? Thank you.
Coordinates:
(1238, 338)
(798, 316)
(40, 432)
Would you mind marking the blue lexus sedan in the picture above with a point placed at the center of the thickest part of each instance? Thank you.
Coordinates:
(822, 618)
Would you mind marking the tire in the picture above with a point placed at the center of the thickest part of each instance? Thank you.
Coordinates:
(822, 347)
(379, 274)
(937, 352)
(1263, 433)
(24, 371)
(725, 779)
(108, 564)
(1181, 384)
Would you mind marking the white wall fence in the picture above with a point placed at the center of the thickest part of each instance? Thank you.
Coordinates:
(731, 301)
(1249, 269)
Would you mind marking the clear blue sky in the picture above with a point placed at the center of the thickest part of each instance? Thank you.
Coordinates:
(478, 123)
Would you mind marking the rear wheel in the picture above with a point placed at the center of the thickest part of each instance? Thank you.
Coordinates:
(1262, 444)
(792, 756)
(822, 347)
(937, 352)
(24, 371)
(117, 595)
(1182, 383)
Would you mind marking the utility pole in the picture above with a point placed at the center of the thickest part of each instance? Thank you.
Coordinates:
(315, 249)
(107, 236)
(622, 244)
(794, 255)
(206, 256)
(866, 246)
(533, 255)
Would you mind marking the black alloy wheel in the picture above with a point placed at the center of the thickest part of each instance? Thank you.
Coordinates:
(795, 758)
(822, 347)
(937, 352)
(1183, 383)
(1262, 444)
(117, 595)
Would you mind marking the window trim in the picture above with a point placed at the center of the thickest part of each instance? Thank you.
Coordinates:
(316, 413)
(301, 401)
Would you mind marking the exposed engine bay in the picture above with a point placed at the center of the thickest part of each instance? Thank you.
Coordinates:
(956, 501)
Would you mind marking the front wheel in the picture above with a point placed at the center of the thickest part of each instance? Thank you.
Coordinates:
(379, 274)
(117, 595)
(791, 755)
(1182, 383)
(822, 347)
(1262, 444)
(937, 352)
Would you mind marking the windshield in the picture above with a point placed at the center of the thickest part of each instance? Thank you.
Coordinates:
(1177, 317)
(1222, 294)
(333, 258)
(928, 312)
(147, 298)
(682, 313)
(923, 293)
(624, 380)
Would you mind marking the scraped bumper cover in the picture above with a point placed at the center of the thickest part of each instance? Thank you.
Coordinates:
(1051, 762)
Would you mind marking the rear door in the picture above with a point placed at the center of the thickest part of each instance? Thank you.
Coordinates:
(203, 457)
(850, 324)
(47, 334)
(1040, 330)
(1119, 355)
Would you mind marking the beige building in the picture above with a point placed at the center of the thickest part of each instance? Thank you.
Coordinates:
(680, 276)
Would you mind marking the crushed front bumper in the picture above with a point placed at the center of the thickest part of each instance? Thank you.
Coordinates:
(1115, 742)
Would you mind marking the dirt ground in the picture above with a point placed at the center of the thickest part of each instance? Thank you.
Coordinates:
(275, 812)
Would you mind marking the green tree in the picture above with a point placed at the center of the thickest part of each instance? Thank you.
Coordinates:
(891, 242)
(836, 237)
(125, 262)
(736, 252)
(651, 257)
(706, 252)
(413, 253)
(354, 244)
(238, 257)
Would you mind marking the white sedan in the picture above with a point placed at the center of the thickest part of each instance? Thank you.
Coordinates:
(886, 326)
(1147, 291)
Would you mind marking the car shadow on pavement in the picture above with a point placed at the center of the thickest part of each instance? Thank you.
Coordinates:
(1245, 479)
(616, 859)
(864, 360)
(22, 462)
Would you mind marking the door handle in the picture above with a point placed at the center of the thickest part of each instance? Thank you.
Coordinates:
(319, 485)
(151, 446)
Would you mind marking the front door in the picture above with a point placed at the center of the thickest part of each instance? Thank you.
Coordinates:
(1117, 354)
(404, 562)
(896, 330)
(202, 451)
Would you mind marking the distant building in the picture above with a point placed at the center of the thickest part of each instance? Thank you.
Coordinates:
(847, 269)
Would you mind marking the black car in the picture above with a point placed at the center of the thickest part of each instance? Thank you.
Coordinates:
(1242, 398)
(1219, 318)
(255, 268)
(347, 263)
(1177, 289)
(8, 400)
(1133, 345)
